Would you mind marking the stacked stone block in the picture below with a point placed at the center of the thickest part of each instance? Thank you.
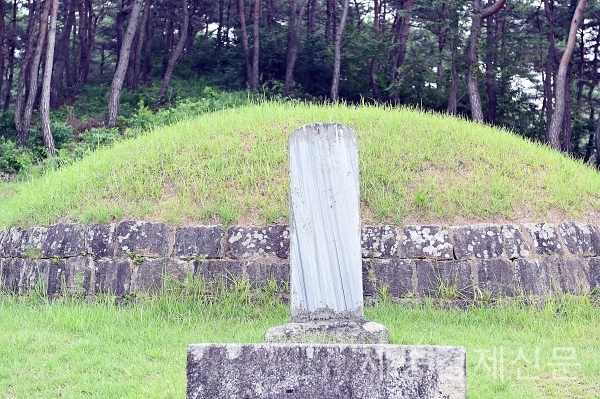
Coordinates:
(455, 262)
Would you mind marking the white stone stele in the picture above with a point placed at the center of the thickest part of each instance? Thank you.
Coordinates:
(269, 371)
(325, 250)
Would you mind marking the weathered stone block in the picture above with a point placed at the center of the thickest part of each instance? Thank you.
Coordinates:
(53, 274)
(142, 238)
(379, 241)
(514, 243)
(329, 332)
(152, 274)
(497, 277)
(247, 242)
(594, 273)
(426, 242)
(544, 238)
(580, 238)
(571, 275)
(113, 276)
(219, 272)
(31, 242)
(100, 240)
(64, 240)
(260, 273)
(78, 272)
(534, 277)
(198, 241)
(34, 274)
(396, 275)
(449, 280)
(10, 274)
(368, 277)
(10, 242)
(477, 242)
(269, 371)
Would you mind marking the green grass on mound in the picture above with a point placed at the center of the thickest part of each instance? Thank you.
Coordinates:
(231, 166)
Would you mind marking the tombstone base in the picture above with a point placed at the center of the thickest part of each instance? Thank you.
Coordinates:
(301, 371)
(329, 332)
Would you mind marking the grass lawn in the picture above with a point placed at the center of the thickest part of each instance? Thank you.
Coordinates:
(75, 349)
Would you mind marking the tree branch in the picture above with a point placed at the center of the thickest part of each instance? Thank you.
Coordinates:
(488, 11)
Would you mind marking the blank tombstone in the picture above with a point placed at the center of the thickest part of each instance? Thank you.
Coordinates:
(325, 250)
(325, 255)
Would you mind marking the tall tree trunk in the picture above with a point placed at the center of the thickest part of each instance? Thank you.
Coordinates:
(597, 144)
(453, 92)
(33, 75)
(242, 19)
(148, 49)
(293, 43)
(135, 73)
(550, 66)
(25, 65)
(86, 42)
(2, 34)
(62, 54)
(330, 21)
(220, 26)
(454, 78)
(373, 68)
(117, 82)
(45, 99)
(176, 52)
(337, 58)
(566, 144)
(11, 57)
(591, 141)
(490, 74)
(254, 81)
(561, 77)
(472, 58)
(403, 27)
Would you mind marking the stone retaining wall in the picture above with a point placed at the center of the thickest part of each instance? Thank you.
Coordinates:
(460, 262)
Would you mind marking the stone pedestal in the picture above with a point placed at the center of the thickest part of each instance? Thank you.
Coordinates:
(329, 332)
(269, 371)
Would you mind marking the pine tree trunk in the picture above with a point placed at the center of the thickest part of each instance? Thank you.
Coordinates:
(293, 44)
(148, 50)
(403, 27)
(45, 99)
(329, 22)
(242, 19)
(373, 67)
(2, 44)
(337, 58)
(550, 66)
(25, 65)
(117, 82)
(176, 53)
(254, 82)
(490, 78)
(62, 54)
(473, 64)
(11, 57)
(86, 42)
(561, 79)
(137, 60)
(33, 75)
(473, 59)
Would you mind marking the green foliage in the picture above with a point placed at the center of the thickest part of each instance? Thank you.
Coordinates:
(14, 159)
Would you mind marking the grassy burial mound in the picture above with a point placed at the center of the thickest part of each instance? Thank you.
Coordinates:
(231, 167)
